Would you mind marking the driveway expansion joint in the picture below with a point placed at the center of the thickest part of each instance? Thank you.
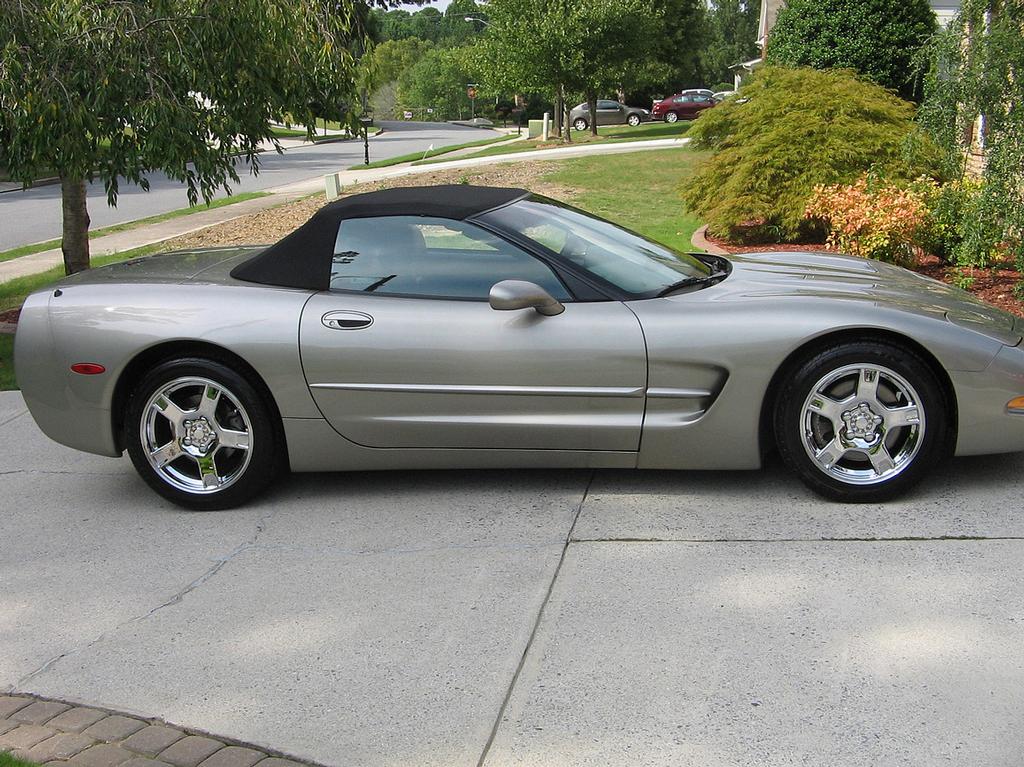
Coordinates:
(56, 732)
(14, 417)
(536, 625)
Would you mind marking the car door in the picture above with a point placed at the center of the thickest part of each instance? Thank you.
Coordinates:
(610, 113)
(405, 351)
(684, 106)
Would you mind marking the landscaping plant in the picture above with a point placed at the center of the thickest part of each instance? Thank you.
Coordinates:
(974, 94)
(877, 38)
(871, 219)
(952, 209)
(791, 131)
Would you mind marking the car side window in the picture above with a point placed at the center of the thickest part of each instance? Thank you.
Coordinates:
(607, 104)
(430, 257)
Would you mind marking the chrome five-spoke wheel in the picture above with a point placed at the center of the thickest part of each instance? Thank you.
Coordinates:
(862, 421)
(202, 435)
(862, 424)
(197, 435)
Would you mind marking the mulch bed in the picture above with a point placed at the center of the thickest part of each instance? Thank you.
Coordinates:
(11, 316)
(994, 284)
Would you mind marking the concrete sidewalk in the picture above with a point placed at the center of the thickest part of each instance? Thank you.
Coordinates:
(150, 234)
(542, 619)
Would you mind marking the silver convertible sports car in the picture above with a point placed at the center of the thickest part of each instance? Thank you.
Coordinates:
(463, 327)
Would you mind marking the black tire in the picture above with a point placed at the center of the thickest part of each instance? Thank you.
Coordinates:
(634, 119)
(580, 124)
(671, 117)
(238, 406)
(800, 429)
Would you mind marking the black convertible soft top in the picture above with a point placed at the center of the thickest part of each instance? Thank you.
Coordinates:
(302, 259)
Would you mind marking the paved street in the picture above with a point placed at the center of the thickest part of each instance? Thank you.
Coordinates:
(703, 619)
(34, 215)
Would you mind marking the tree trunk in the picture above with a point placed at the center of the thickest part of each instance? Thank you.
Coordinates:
(558, 111)
(75, 236)
(592, 106)
(566, 125)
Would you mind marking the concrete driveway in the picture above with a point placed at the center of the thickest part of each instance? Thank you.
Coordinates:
(526, 618)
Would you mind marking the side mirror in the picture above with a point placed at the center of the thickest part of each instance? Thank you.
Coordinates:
(508, 295)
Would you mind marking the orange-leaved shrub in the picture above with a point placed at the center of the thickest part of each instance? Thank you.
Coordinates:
(871, 219)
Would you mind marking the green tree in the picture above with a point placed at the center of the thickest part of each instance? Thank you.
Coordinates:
(877, 38)
(793, 130)
(382, 67)
(615, 47)
(393, 57)
(974, 94)
(438, 81)
(455, 30)
(674, 53)
(565, 48)
(731, 37)
(113, 89)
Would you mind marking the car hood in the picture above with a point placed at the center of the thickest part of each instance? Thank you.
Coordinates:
(202, 264)
(825, 275)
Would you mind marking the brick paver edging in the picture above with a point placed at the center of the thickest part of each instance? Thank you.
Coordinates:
(52, 732)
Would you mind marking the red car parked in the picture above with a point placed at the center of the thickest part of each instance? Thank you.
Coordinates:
(682, 106)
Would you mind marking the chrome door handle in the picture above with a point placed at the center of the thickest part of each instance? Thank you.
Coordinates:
(346, 320)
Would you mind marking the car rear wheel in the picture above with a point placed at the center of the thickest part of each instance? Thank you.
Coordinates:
(201, 436)
(862, 422)
(671, 117)
(633, 120)
(580, 124)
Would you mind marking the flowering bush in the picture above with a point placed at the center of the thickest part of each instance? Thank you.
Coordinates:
(871, 219)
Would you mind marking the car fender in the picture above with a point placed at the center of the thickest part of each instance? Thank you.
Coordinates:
(111, 324)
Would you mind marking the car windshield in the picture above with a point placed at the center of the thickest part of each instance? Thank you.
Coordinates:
(635, 265)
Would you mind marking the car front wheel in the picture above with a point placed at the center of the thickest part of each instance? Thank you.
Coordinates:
(201, 436)
(671, 117)
(580, 124)
(633, 120)
(862, 422)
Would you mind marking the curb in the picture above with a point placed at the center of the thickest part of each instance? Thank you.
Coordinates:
(38, 182)
(700, 241)
(54, 731)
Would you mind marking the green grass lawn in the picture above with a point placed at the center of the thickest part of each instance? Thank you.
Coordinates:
(607, 134)
(416, 157)
(639, 191)
(287, 132)
(39, 247)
